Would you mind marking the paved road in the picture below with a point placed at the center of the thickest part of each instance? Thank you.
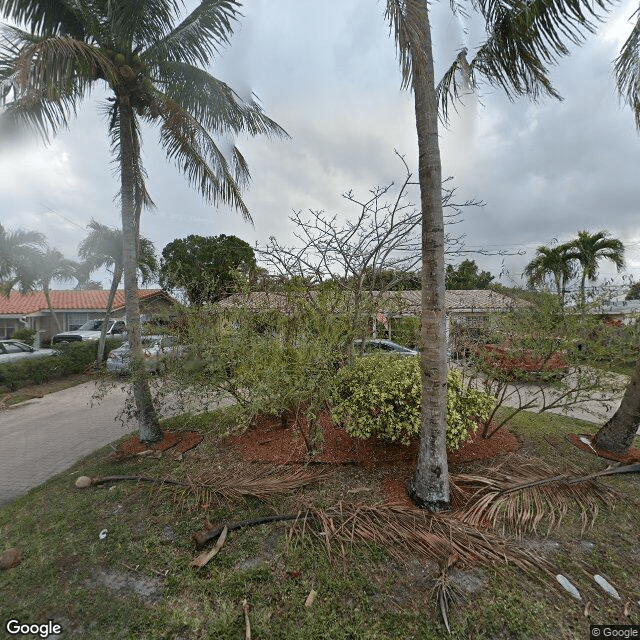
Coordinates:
(42, 437)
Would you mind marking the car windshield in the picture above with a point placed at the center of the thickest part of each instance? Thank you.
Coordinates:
(92, 325)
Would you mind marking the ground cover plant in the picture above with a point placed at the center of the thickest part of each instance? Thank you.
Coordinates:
(113, 560)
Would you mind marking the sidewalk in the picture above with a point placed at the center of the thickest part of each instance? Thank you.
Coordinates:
(44, 436)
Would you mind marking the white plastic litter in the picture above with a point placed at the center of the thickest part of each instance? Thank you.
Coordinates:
(586, 441)
(607, 587)
(567, 586)
(103, 534)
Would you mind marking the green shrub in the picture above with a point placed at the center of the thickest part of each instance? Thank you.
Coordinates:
(74, 357)
(24, 335)
(381, 395)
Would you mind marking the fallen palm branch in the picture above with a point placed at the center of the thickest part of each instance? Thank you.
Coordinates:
(261, 484)
(411, 533)
(86, 481)
(213, 532)
(523, 492)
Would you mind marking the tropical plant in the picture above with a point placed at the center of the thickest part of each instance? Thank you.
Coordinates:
(103, 248)
(203, 266)
(523, 38)
(15, 246)
(36, 270)
(151, 58)
(556, 262)
(588, 249)
(627, 71)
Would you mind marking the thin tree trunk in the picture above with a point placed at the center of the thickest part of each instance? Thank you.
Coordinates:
(618, 433)
(148, 423)
(51, 311)
(429, 486)
(115, 283)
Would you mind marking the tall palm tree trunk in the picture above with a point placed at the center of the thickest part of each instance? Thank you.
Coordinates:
(115, 283)
(47, 297)
(618, 433)
(149, 425)
(429, 486)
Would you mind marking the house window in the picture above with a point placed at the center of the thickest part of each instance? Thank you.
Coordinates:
(7, 327)
(76, 320)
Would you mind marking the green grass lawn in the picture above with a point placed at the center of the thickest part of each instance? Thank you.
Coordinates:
(137, 581)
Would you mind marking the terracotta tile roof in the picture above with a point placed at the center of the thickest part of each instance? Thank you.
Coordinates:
(25, 304)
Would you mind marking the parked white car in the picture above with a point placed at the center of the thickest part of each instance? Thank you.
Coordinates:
(91, 329)
(11, 350)
(156, 349)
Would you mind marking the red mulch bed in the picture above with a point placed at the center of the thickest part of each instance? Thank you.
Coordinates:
(628, 458)
(268, 441)
(177, 441)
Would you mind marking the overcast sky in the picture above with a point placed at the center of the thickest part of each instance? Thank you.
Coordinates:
(331, 79)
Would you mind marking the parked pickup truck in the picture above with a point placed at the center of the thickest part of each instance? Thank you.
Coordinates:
(91, 331)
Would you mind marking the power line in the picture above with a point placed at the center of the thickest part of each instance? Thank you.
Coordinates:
(63, 217)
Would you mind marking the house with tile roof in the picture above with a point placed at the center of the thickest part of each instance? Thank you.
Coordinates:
(72, 308)
(468, 309)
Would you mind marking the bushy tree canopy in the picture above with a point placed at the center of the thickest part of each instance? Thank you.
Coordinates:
(467, 275)
(203, 266)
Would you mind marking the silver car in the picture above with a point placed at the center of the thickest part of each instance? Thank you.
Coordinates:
(12, 350)
(154, 348)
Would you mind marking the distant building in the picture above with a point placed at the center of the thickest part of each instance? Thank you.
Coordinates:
(72, 308)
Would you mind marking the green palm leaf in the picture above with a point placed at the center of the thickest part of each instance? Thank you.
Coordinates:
(200, 35)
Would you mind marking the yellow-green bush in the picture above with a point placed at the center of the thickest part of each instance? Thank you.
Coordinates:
(380, 396)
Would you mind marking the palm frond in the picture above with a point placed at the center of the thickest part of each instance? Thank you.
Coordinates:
(524, 37)
(200, 35)
(446, 592)
(627, 70)
(456, 82)
(212, 102)
(42, 82)
(406, 19)
(410, 533)
(44, 16)
(134, 25)
(140, 193)
(261, 484)
(521, 493)
(196, 153)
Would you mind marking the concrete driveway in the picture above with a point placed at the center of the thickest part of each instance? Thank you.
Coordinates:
(44, 436)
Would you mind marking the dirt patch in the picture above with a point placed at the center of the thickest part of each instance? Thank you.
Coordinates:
(268, 440)
(177, 441)
(126, 583)
(628, 458)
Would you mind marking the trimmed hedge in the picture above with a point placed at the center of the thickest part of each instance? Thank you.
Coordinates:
(74, 357)
(381, 396)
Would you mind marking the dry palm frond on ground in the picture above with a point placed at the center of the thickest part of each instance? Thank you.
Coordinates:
(255, 483)
(522, 492)
(410, 533)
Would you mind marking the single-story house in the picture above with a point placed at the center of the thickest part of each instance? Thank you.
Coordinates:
(469, 308)
(72, 308)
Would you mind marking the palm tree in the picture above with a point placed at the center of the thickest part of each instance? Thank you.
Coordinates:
(524, 37)
(103, 248)
(36, 270)
(151, 58)
(556, 262)
(589, 249)
(627, 71)
(14, 246)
